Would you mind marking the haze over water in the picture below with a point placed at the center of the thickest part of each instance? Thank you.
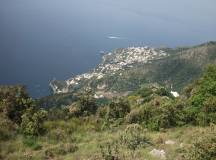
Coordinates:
(45, 39)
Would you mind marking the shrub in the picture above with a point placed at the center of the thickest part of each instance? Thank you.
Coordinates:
(135, 116)
(204, 148)
(159, 113)
(201, 101)
(57, 113)
(144, 92)
(118, 109)
(87, 103)
(148, 92)
(32, 121)
(102, 111)
(110, 151)
(134, 137)
(31, 142)
(66, 127)
(208, 112)
(7, 128)
(14, 100)
(163, 116)
(59, 135)
(163, 92)
(114, 113)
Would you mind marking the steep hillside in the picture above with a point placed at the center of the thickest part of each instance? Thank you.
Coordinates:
(125, 70)
(150, 124)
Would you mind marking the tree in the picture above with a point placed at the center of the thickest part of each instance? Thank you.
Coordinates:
(86, 103)
(18, 107)
(13, 102)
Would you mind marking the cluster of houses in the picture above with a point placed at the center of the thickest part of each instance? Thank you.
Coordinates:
(113, 62)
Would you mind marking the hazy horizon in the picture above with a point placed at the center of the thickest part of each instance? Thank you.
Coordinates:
(45, 39)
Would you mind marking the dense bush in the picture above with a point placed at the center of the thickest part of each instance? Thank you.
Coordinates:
(135, 116)
(85, 105)
(58, 135)
(7, 128)
(114, 113)
(61, 131)
(67, 126)
(110, 151)
(204, 148)
(57, 113)
(102, 111)
(134, 137)
(32, 121)
(201, 108)
(14, 100)
(118, 109)
(208, 112)
(160, 112)
(18, 107)
(56, 100)
(148, 92)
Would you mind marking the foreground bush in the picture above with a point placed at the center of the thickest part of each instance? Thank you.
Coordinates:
(7, 128)
(114, 113)
(204, 148)
(84, 106)
(135, 116)
(32, 121)
(110, 151)
(14, 100)
(202, 99)
(134, 137)
(160, 112)
(118, 109)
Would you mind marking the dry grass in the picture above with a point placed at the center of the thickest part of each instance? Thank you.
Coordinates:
(88, 143)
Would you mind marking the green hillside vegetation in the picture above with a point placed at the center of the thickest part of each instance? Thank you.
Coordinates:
(131, 127)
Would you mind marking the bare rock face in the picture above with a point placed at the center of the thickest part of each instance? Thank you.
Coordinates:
(158, 153)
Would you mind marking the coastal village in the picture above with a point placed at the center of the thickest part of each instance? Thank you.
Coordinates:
(112, 62)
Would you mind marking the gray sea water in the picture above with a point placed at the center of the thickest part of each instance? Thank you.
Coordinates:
(45, 39)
